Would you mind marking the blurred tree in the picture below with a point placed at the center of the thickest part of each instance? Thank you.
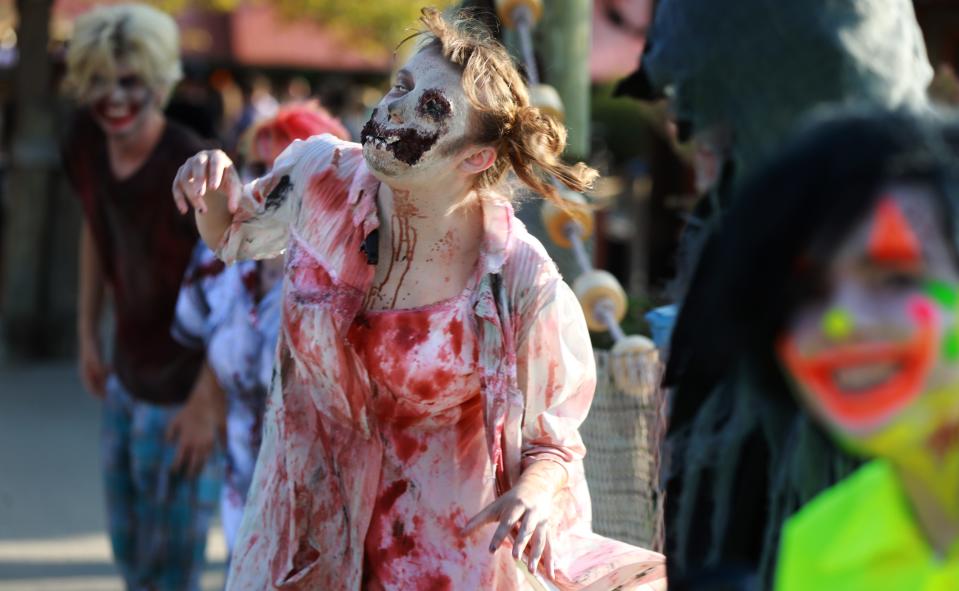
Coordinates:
(381, 23)
(31, 205)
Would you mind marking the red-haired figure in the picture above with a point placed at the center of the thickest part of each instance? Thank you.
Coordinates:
(433, 368)
(234, 312)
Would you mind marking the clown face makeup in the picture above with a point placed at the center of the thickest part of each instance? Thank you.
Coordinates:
(876, 357)
(121, 103)
(421, 121)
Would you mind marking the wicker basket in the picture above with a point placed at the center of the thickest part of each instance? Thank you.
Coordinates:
(623, 435)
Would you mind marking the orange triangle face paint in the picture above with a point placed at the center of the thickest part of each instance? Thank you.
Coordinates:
(891, 239)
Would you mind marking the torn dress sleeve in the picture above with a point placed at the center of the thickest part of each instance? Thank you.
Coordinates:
(557, 372)
(270, 204)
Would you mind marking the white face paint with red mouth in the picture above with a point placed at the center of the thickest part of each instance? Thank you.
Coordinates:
(120, 104)
(421, 121)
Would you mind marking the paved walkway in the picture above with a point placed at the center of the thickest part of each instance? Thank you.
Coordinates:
(52, 534)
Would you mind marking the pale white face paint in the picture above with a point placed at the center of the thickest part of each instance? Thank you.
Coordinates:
(417, 126)
(122, 103)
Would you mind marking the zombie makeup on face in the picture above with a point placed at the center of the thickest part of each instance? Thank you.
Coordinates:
(434, 106)
(405, 144)
(421, 120)
(120, 103)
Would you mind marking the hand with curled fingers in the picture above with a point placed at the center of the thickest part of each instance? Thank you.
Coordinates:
(210, 172)
(524, 512)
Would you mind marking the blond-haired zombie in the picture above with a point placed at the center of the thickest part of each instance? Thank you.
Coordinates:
(161, 413)
(433, 368)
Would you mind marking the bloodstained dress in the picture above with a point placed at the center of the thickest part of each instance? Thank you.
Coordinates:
(426, 396)
(350, 486)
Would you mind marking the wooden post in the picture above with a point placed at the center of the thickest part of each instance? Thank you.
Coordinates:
(32, 327)
(563, 43)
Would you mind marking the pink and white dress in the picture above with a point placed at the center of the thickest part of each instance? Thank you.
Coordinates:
(386, 431)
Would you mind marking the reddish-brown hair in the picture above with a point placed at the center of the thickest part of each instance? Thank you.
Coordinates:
(527, 141)
(296, 121)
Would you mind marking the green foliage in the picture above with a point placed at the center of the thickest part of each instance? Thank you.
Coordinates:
(376, 24)
(633, 323)
(385, 21)
(623, 123)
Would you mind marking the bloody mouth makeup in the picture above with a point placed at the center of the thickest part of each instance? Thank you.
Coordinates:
(423, 119)
(116, 116)
(405, 144)
(119, 103)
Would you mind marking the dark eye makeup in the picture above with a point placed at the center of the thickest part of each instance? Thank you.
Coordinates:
(129, 81)
(434, 105)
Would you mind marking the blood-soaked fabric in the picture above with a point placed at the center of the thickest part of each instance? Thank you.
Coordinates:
(223, 308)
(334, 462)
(144, 246)
(426, 399)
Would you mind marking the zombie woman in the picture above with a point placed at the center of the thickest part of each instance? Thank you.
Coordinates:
(433, 368)
(851, 235)
(234, 313)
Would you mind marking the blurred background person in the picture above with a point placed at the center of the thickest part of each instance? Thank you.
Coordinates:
(196, 104)
(732, 476)
(871, 350)
(234, 312)
(160, 412)
(839, 297)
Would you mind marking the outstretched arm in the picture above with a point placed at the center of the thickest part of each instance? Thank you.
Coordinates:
(210, 183)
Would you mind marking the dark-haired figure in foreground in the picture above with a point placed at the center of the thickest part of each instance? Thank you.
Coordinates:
(161, 411)
(742, 77)
(433, 367)
(841, 293)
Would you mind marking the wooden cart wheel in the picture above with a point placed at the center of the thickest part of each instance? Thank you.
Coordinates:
(594, 288)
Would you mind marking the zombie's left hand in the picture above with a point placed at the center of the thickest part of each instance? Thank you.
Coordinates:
(528, 506)
(198, 425)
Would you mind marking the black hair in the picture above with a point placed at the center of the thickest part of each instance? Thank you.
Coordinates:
(747, 284)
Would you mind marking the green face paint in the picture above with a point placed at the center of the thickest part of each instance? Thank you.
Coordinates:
(944, 293)
(837, 324)
(947, 296)
(950, 345)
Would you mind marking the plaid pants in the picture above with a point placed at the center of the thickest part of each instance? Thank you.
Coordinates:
(158, 520)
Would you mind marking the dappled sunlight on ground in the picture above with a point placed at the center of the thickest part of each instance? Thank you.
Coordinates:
(52, 535)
